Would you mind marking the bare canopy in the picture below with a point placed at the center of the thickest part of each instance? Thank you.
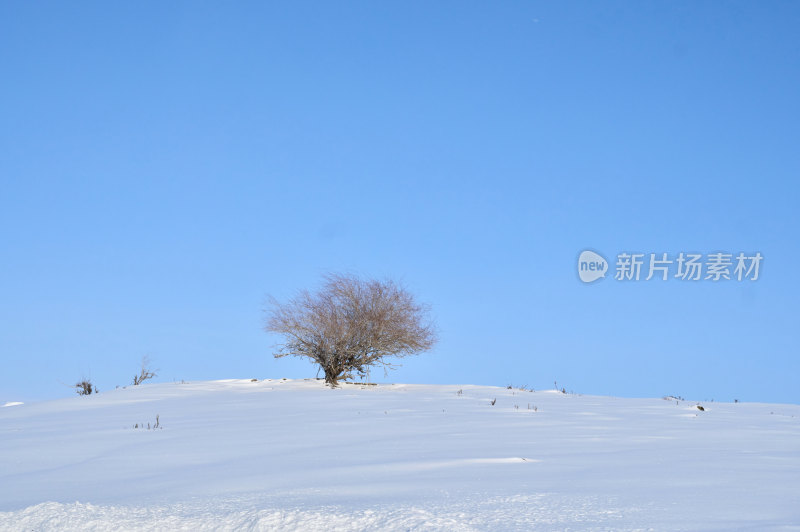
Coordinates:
(351, 324)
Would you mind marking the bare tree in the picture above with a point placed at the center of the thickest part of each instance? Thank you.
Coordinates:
(145, 373)
(350, 325)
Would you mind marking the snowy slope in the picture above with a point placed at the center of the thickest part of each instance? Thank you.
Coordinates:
(295, 455)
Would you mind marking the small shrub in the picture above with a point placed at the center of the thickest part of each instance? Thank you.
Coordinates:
(673, 398)
(85, 387)
(145, 372)
(156, 425)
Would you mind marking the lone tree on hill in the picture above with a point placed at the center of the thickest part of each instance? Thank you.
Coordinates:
(350, 325)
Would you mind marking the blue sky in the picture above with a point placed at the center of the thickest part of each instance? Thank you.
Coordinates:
(165, 166)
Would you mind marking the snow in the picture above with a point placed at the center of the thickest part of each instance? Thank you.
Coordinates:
(296, 455)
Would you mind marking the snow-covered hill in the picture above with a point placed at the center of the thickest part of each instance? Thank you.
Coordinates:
(295, 455)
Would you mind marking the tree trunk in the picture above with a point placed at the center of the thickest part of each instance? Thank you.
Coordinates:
(332, 377)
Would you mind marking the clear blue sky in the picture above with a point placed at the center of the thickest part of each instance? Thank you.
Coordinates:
(165, 165)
